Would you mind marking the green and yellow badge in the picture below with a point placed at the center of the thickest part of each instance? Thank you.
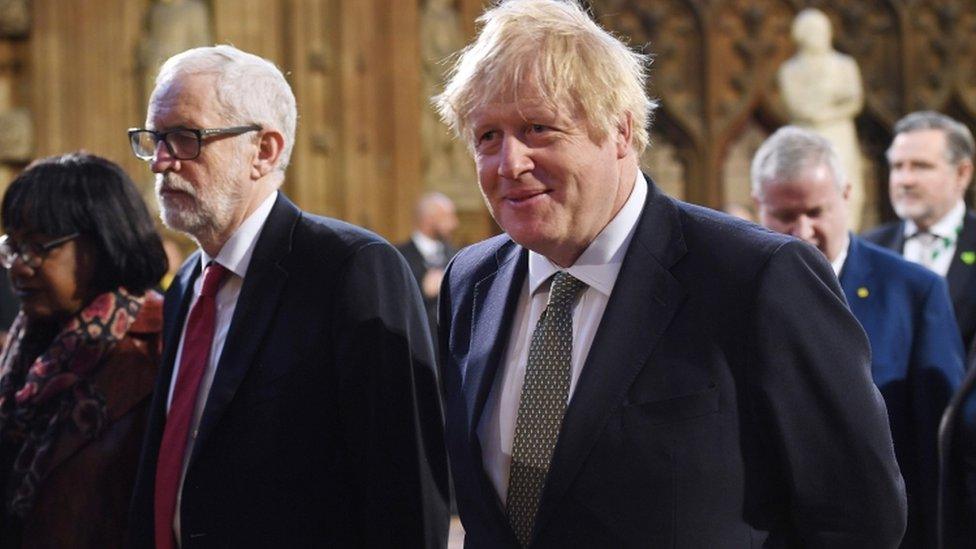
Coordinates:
(863, 292)
(968, 257)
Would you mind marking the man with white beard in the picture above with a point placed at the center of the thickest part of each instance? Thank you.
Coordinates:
(297, 402)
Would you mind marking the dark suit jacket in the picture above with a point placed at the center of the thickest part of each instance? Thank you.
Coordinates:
(323, 426)
(961, 276)
(726, 400)
(916, 362)
(957, 480)
(418, 266)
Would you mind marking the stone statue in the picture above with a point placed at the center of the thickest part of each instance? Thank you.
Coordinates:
(14, 18)
(447, 165)
(822, 91)
(173, 26)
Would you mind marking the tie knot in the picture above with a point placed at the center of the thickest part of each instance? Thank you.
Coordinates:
(564, 290)
(213, 277)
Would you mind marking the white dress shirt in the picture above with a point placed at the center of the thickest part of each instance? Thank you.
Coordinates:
(235, 256)
(838, 263)
(598, 267)
(935, 249)
(431, 250)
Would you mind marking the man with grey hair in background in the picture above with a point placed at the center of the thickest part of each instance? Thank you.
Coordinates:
(623, 369)
(297, 402)
(800, 189)
(429, 247)
(930, 164)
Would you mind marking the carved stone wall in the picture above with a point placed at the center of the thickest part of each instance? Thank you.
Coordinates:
(70, 78)
(16, 123)
(715, 64)
(354, 65)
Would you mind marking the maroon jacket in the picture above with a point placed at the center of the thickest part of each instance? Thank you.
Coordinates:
(84, 500)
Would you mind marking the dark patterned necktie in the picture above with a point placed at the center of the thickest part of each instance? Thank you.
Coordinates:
(545, 393)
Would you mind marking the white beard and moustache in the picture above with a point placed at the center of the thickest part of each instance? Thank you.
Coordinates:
(200, 212)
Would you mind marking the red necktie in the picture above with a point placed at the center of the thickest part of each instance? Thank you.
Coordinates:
(197, 341)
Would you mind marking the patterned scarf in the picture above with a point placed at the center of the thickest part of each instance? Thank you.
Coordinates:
(40, 397)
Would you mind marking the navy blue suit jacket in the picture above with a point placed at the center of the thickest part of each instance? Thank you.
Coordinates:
(726, 400)
(916, 362)
(323, 426)
(961, 277)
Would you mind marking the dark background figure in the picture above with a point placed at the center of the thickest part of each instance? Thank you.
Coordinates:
(801, 189)
(429, 248)
(9, 306)
(297, 403)
(957, 486)
(622, 369)
(77, 373)
(931, 165)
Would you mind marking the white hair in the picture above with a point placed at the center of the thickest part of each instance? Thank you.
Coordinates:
(249, 89)
(789, 151)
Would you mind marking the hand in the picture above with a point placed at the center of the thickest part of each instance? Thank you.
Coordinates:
(431, 283)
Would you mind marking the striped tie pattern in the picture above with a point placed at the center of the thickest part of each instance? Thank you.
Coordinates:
(545, 393)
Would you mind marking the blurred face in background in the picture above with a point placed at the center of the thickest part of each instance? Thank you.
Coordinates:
(810, 206)
(923, 184)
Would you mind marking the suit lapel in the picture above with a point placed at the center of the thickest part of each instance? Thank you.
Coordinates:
(495, 298)
(645, 298)
(961, 273)
(263, 282)
(855, 274)
(896, 240)
(175, 309)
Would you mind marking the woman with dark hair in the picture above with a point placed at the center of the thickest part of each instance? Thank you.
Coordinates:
(77, 373)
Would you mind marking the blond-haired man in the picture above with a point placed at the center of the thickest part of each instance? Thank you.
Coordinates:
(622, 369)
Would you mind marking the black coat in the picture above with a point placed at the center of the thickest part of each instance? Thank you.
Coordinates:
(726, 400)
(323, 426)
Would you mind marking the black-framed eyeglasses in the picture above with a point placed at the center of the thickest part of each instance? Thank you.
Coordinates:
(31, 254)
(182, 143)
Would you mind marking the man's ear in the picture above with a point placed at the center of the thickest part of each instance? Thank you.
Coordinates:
(270, 146)
(845, 193)
(964, 171)
(623, 133)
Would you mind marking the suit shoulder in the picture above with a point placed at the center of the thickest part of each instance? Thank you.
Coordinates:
(481, 257)
(736, 257)
(727, 240)
(882, 233)
(332, 239)
(895, 266)
(702, 222)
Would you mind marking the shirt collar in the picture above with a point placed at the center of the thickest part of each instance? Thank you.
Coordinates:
(237, 251)
(600, 262)
(947, 227)
(426, 245)
(838, 262)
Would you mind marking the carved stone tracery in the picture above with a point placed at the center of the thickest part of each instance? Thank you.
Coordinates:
(715, 61)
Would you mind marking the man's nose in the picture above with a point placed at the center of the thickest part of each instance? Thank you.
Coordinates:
(515, 158)
(162, 160)
(802, 228)
(900, 176)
